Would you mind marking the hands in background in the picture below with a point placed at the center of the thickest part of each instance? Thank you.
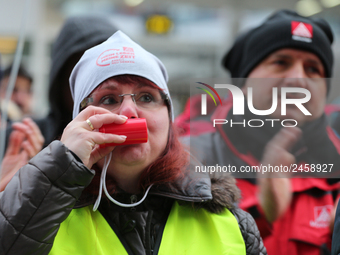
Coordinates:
(275, 193)
(24, 143)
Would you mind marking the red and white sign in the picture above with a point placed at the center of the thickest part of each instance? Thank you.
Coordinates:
(322, 216)
(302, 31)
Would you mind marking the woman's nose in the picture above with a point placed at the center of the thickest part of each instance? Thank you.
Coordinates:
(128, 107)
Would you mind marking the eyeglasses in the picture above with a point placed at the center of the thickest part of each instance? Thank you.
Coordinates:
(112, 101)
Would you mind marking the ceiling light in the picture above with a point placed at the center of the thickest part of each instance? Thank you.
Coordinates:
(8, 45)
(133, 3)
(308, 7)
(330, 3)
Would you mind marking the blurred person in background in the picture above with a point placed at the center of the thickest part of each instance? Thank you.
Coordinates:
(294, 215)
(22, 93)
(76, 36)
(24, 143)
(47, 209)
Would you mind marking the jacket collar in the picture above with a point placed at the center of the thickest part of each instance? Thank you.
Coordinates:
(214, 193)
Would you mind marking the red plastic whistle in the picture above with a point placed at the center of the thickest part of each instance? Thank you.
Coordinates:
(135, 131)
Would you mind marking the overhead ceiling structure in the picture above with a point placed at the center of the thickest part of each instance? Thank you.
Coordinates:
(189, 51)
(304, 7)
(192, 47)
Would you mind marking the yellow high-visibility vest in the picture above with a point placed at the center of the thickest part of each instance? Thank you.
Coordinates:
(187, 231)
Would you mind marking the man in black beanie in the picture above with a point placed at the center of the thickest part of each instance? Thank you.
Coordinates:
(294, 215)
(283, 29)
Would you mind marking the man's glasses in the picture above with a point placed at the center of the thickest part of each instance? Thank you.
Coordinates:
(112, 101)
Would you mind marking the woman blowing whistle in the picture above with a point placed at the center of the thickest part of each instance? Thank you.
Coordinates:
(152, 202)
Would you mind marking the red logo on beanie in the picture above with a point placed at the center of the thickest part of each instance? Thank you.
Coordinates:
(116, 56)
(302, 31)
(128, 49)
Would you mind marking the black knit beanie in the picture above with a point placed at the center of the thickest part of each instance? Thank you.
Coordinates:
(283, 29)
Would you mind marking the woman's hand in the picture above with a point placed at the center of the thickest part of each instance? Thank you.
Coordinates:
(82, 140)
(24, 143)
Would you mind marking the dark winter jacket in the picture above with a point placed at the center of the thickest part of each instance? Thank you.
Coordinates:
(336, 234)
(42, 194)
(333, 112)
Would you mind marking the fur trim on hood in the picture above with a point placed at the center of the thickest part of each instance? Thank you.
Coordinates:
(225, 194)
